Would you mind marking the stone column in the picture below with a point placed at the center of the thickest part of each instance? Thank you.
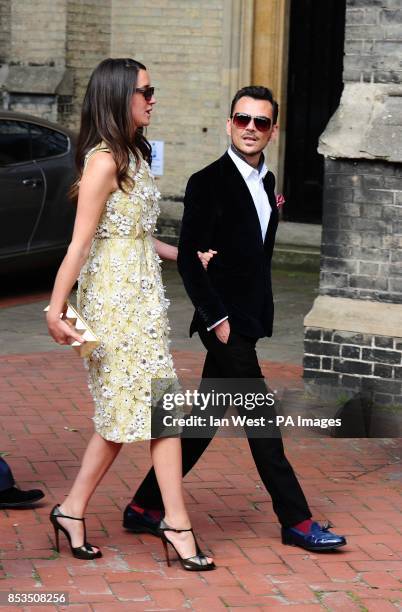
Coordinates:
(237, 52)
(353, 334)
(270, 63)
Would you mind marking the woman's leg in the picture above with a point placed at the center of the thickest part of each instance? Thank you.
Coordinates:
(167, 461)
(98, 457)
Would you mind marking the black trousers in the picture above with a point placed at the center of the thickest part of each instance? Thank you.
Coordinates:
(238, 359)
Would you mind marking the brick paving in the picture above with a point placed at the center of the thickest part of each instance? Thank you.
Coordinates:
(45, 411)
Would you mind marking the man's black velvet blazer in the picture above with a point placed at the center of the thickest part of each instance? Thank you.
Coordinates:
(219, 214)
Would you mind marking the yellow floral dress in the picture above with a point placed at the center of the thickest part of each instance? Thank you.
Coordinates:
(121, 295)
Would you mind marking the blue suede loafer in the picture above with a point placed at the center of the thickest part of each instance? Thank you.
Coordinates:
(318, 538)
(141, 522)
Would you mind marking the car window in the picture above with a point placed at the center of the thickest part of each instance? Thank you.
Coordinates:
(47, 143)
(15, 142)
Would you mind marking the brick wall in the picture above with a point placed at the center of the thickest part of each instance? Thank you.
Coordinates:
(5, 24)
(361, 253)
(88, 43)
(37, 105)
(68, 34)
(373, 41)
(38, 32)
(181, 42)
(355, 361)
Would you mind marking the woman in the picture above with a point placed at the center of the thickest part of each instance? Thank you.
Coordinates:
(120, 294)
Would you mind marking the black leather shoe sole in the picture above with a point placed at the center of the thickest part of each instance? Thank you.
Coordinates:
(316, 548)
(27, 503)
(322, 548)
(141, 529)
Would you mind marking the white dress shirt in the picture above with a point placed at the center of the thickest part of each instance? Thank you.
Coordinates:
(253, 178)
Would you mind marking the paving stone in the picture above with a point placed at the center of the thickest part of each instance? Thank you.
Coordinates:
(350, 482)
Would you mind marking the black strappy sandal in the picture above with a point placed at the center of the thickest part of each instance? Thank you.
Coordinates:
(79, 552)
(198, 563)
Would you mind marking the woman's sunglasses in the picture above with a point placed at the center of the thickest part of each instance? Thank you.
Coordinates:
(242, 120)
(147, 92)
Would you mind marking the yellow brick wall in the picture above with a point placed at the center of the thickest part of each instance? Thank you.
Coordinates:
(184, 43)
(88, 43)
(38, 32)
(181, 43)
(5, 25)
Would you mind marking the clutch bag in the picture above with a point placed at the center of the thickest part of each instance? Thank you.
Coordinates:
(76, 320)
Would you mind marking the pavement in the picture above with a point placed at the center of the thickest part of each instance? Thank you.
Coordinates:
(22, 327)
(45, 422)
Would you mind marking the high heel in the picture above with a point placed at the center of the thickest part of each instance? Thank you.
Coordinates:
(198, 563)
(79, 552)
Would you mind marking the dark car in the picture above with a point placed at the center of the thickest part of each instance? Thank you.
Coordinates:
(36, 172)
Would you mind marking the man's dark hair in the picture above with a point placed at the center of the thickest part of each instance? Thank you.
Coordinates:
(258, 92)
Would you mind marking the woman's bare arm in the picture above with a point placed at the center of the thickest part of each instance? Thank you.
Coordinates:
(164, 250)
(97, 182)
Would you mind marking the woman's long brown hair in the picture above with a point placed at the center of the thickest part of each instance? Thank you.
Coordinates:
(106, 116)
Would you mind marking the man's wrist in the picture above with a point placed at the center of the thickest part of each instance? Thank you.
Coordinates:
(217, 323)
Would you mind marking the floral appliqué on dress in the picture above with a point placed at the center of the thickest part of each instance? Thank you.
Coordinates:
(121, 295)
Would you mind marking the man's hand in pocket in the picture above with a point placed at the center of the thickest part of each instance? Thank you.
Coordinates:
(222, 331)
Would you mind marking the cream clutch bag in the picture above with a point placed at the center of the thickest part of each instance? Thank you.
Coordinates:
(76, 320)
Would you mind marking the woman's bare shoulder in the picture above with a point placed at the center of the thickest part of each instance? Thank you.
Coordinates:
(101, 160)
(100, 169)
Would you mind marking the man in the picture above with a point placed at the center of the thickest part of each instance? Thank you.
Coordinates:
(10, 496)
(230, 207)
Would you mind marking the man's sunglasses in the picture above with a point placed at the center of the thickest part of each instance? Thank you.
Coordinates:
(242, 120)
(147, 92)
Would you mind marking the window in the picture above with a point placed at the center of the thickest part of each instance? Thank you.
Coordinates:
(47, 143)
(15, 142)
(22, 142)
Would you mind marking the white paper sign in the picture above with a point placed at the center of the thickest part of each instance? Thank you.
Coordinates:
(157, 157)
